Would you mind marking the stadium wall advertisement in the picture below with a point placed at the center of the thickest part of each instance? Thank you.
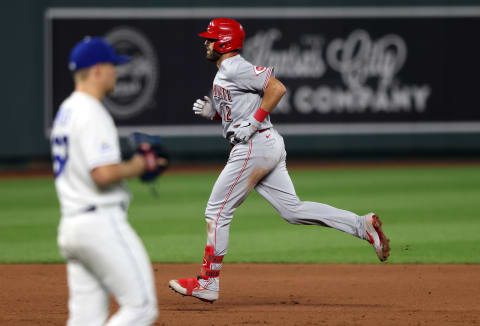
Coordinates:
(347, 70)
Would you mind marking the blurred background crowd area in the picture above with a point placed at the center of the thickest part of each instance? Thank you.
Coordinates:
(367, 80)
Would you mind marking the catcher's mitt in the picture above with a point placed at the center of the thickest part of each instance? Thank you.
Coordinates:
(151, 148)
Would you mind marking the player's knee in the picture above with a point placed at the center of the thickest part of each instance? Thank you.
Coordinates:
(214, 214)
(210, 213)
(291, 212)
(209, 217)
(291, 219)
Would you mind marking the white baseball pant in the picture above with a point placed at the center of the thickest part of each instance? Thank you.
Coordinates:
(106, 257)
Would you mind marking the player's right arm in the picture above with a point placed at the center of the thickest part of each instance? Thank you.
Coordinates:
(100, 147)
(204, 108)
(113, 173)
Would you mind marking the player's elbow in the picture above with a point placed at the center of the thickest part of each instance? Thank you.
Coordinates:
(104, 176)
(282, 90)
(276, 87)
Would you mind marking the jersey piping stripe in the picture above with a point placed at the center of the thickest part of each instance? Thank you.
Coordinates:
(231, 189)
(269, 72)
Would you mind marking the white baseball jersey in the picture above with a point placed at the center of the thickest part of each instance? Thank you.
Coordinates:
(237, 91)
(104, 254)
(84, 137)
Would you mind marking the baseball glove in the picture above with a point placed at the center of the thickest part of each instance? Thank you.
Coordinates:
(152, 149)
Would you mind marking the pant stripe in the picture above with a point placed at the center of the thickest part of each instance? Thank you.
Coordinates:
(231, 190)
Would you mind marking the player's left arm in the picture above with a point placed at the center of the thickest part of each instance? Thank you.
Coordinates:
(271, 97)
(108, 174)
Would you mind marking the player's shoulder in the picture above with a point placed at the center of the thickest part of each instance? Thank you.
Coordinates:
(235, 65)
(84, 107)
(85, 103)
(78, 99)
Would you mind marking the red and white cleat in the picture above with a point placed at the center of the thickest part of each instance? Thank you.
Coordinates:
(191, 287)
(375, 235)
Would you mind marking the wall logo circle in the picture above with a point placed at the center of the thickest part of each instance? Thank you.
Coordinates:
(137, 80)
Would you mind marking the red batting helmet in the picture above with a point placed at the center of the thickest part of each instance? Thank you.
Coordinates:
(227, 32)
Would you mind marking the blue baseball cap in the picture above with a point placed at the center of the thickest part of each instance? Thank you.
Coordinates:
(93, 50)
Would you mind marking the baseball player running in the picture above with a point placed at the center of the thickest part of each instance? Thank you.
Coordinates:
(243, 96)
(104, 254)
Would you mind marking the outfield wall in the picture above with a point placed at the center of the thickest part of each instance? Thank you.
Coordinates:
(361, 79)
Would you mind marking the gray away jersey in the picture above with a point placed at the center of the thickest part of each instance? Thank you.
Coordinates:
(238, 90)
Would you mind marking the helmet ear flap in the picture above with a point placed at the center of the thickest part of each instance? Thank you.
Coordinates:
(223, 44)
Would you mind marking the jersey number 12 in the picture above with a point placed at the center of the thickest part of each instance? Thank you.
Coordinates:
(227, 113)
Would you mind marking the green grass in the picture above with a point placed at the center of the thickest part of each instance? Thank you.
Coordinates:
(431, 215)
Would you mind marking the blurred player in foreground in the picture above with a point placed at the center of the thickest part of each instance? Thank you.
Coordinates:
(104, 254)
(243, 97)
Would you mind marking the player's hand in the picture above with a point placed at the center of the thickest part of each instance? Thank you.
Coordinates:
(204, 108)
(245, 130)
(152, 156)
